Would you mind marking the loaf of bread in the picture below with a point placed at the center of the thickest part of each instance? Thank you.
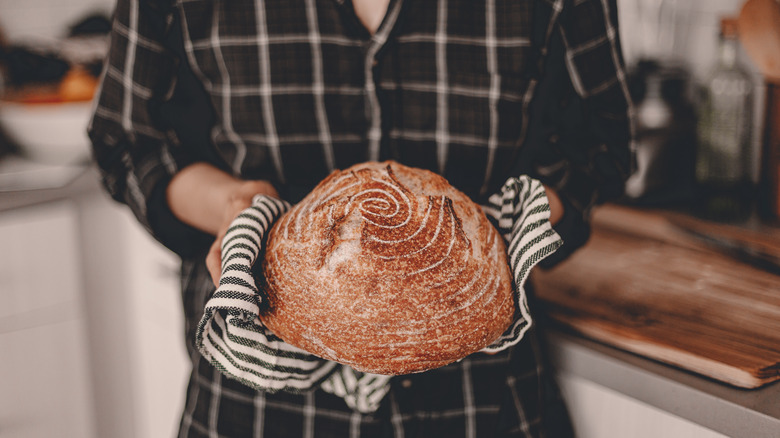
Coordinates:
(388, 269)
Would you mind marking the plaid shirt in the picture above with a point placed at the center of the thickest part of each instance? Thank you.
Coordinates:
(289, 90)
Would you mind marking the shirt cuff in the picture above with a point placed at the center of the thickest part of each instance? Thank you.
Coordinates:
(573, 229)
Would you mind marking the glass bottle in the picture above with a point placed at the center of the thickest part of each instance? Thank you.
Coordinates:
(724, 131)
(665, 135)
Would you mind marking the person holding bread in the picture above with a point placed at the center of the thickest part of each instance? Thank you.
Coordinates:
(208, 108)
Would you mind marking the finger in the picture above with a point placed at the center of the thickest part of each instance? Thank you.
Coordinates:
(269, 189)
(258, 187)
(214, 261)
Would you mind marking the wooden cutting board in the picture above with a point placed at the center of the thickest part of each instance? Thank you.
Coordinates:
(644, 285)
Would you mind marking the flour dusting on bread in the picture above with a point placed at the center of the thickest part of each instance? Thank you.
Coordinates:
(388, 269)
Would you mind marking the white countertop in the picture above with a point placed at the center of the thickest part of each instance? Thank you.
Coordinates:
(24, 183)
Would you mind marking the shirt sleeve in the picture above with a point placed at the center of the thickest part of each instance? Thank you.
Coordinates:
(580, 140)
(137, 154)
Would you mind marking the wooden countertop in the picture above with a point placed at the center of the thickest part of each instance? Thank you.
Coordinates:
(652, 283)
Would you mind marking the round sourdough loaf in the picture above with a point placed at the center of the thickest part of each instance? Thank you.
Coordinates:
(388, 269)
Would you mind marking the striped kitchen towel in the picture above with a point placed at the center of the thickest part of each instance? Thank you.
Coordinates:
(232, 337)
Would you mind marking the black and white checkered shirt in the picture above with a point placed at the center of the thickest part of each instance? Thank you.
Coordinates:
(288, 90)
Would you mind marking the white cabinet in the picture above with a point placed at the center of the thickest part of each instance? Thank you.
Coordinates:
(91, 324)
(599, 412)
(134, 306)
(45, 370)
(157, 320)
(37, 264)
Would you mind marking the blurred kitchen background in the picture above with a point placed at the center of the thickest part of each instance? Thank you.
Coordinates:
(90, 321)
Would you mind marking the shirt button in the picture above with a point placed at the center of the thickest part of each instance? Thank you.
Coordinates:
(374, 63)
(406, 383)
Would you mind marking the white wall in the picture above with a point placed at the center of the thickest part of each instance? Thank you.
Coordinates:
(45, 20)
(689, 30)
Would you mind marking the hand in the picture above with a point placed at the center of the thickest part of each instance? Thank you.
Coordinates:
(556, 206)
(238, 202)
(209, 199)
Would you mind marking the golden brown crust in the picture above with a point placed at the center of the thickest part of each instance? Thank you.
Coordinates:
(388, 269)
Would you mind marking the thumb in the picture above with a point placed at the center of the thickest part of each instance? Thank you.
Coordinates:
(214, 260)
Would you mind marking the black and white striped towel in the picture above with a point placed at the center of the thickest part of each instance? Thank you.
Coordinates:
(233, 338)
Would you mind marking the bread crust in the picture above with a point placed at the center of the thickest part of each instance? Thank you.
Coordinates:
(388, 269)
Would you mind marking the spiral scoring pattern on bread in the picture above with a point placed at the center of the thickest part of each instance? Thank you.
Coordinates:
(388, 269)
